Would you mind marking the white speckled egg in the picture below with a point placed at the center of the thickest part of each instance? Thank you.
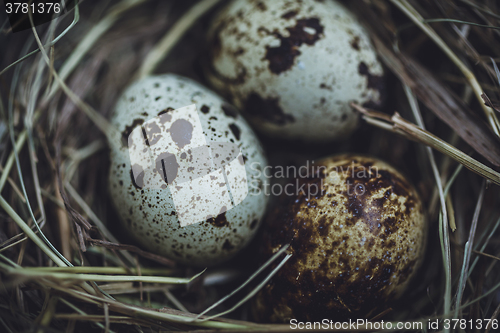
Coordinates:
(293, 67)
(184, 174)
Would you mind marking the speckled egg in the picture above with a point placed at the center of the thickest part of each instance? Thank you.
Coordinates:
(294, 66)
(180, 175)
(355, 243)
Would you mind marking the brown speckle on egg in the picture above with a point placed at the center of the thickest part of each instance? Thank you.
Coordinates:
(236, 130)
(281, 58)
(205, 109)
(128, 129)
(229, 110)
(374, 82)
(355, 43)
(355, 244)
(268, 110)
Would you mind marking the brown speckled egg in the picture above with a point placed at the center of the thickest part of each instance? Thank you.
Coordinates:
(355, 244)
(179, 199)
(293, 67)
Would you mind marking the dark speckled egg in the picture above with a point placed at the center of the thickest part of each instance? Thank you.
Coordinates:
(355, 243)
(294, 66)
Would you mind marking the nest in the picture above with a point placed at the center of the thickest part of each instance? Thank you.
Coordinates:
(67, 266)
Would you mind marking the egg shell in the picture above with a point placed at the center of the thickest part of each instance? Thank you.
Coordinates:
(149, 214)
(355, 245)
(293, 67)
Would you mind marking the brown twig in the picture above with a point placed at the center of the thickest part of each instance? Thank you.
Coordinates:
(132, 248)
(399, 125)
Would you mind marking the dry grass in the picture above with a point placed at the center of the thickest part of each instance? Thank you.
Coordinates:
(65, 266)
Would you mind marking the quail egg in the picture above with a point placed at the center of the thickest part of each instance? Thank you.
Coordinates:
(180, 175)
(357, 231)
(293, 67)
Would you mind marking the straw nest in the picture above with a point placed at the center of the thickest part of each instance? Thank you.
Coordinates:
(65, 264)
